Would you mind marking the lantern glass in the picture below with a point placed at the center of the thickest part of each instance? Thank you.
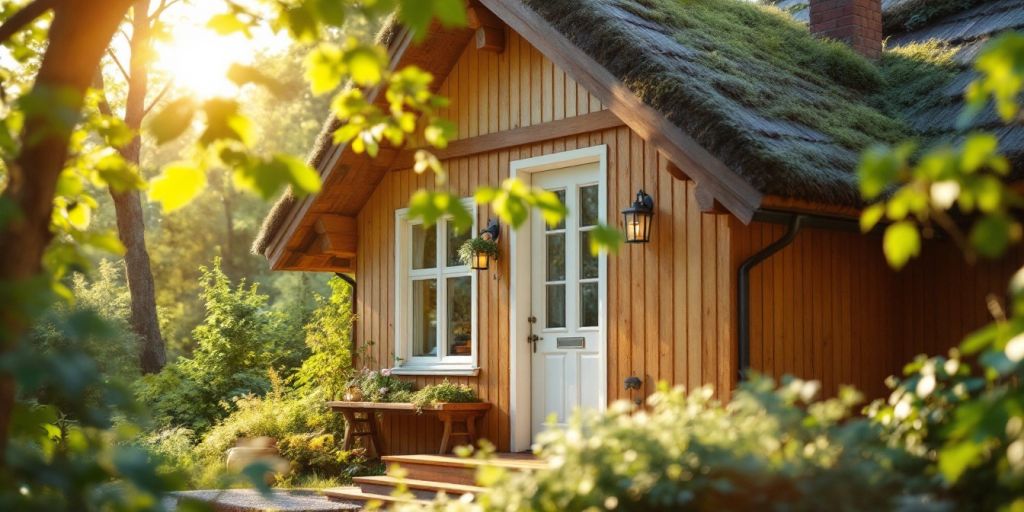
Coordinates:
(481, 261)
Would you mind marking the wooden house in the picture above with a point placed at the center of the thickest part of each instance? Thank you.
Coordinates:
(742, 125)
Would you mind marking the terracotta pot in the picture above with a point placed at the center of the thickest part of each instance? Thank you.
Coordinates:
(258, 449)
(353, 394)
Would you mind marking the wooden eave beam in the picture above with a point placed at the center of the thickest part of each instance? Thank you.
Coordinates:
(336, 235)
(490, 30)
(732, 191)
(568, 127)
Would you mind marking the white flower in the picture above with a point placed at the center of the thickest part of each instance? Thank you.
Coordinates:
(1015, 348)
(944, 193)
(926, 385)
(385, 372)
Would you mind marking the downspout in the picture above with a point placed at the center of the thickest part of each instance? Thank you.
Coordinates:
(352, 336)
(795, 222)
(743, 363)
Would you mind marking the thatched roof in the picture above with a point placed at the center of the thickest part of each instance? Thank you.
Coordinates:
(948, 45)
(786, 111)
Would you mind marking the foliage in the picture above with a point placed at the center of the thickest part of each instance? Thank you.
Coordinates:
(329, 338)
(116, 353)
(237, 344)
(443, 392)
(767, 449)
(477, 245)
(381, 386)
(916, 197)
(961, 416)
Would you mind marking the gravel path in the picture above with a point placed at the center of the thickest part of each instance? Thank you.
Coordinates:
(250, 500)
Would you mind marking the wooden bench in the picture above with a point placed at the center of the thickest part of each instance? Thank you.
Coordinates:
(361, 420)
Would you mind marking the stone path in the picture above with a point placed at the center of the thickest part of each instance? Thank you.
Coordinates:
(250, 500)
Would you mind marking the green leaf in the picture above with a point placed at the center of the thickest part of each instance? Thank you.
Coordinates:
(223, 122)
(242, 74)
(991, 235)
(177, 185)
(227, 23)
(956, 458)
(431, 206)
(605, 238)
(900, 243)
(303, 178)
(173, 120)
(870, 216)
(977, 151)
(79, 215)
(323, 70)
(365, 63)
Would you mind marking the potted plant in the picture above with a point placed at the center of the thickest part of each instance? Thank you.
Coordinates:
(478, 252)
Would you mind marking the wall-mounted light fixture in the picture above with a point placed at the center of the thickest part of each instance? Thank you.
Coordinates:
(637, 219)
(478, 252)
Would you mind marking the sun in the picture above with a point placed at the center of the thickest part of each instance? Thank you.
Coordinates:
(197, 59)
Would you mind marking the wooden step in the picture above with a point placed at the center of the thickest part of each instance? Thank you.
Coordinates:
(455, 470)
(421, 489)
(356, 495)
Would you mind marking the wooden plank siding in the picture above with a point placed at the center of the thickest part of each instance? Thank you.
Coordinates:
(829, 308)
(655, 332)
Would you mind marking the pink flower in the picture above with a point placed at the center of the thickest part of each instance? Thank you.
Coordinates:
(385, 372)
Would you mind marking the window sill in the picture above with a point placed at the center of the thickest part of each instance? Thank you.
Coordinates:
(467, 371)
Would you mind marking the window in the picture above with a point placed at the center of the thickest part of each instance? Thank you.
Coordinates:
(435, 295)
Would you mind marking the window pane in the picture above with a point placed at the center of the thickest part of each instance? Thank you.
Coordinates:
(561, 199)
(460, 309)
(556, 256)
(588, 304)
(424, 246)
(555, 305)
(454, 242)
(424, 318)
(588, 205)
(588, 262)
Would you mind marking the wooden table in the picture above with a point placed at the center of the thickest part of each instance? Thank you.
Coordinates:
(361, 420)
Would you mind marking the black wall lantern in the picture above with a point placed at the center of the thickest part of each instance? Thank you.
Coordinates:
(637, 219)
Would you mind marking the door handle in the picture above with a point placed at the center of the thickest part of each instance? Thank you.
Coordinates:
(533, 339)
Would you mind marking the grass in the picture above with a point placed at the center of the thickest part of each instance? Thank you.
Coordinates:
(787, 111)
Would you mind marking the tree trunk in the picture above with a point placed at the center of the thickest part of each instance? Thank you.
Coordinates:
(78, 36)
(131, 226)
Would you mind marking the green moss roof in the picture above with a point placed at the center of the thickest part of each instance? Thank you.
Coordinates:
(788, 112)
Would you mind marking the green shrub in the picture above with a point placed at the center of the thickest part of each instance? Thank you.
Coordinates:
(767, 449)
(329, 337)
(238, 342)
(443, 392)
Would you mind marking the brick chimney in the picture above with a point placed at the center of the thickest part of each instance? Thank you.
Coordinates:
(855, 22)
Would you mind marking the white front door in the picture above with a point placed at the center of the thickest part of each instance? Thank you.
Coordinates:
(567, 299)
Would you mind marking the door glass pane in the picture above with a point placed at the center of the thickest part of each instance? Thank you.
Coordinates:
(561, 199)
(588, 262)
(453, 243)
(459, 316)
(555, 305)
(588, 205)
(424, 246)
(556, 256)
(588, 304)
(424, 317)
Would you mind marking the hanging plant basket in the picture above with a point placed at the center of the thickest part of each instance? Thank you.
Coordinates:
(478, 253)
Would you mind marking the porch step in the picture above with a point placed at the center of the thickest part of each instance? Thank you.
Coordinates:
(455, 470)
(358, 496)
(421, 489)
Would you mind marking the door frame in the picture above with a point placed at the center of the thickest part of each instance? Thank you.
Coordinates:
(520, 360)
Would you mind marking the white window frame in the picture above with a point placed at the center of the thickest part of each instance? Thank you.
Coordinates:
(442, 364)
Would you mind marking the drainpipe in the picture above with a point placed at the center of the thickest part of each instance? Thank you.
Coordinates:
(795, 222)
(352, 286)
